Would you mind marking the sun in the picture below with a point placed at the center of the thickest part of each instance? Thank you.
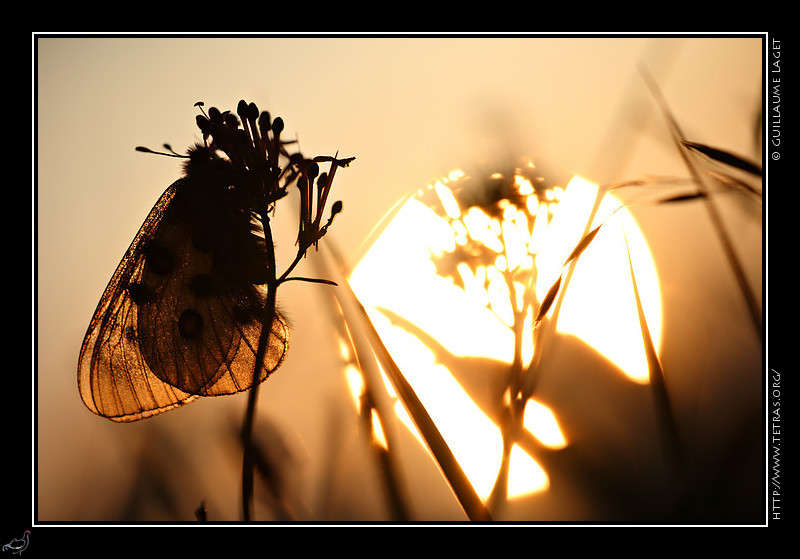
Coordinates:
(470, 279)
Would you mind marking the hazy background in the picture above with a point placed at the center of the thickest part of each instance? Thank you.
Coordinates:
(410, 110)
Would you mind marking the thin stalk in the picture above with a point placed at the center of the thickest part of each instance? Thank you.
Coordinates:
(465, 493)
(528, 384)
(730, 255)
(451, 469)
(661, 400)
(372, 400)
(263, 341)
(513, 413)
(713, 212)
(384, 458)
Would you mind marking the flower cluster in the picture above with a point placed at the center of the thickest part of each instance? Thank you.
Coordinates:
(259, 163)
(498, 225)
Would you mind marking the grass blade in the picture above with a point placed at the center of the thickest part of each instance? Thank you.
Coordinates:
(371, 401)
(683, 198)
(440, 450)
(547, 302)
(664, 412)
(713, 212)
(724, 157)
(465, 493)
(583, 244)
(734, 183)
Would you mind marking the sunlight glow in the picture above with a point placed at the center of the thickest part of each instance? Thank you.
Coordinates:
(599, 306)
(397, 274)
(378, 436)
(475, 321)
(526, 476)
(356, 384)
(541, 422)
(450, 204)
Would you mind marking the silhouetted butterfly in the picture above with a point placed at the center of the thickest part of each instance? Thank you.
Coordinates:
(182, 314)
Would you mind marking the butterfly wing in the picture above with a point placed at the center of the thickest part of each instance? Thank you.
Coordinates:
(181, 316)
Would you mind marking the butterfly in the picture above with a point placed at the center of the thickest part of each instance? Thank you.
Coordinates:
(182, 314)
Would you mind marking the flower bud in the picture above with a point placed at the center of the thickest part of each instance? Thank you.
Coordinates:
(202, 123)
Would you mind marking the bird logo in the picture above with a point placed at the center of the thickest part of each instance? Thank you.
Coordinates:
(18, 545)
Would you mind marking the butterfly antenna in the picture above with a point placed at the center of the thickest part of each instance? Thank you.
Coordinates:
(172, 152)
(169, 153)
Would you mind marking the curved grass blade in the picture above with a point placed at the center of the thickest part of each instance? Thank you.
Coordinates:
(663, 406)
(371, 401)
(713, 212)
(440, 450)
(528, 380)
(465, 493)
(724, 157)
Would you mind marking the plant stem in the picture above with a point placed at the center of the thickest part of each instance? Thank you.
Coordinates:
(711, 208)
(663, 407)
(371, 400)
(531, 377)
(511, 418)
(449, 466)
(268, 318)
(465, 493)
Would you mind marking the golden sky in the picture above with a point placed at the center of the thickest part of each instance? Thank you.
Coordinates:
(408, 109)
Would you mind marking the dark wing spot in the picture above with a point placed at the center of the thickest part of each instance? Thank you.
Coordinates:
(190, 324)
(158, 258)
(139, 293)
